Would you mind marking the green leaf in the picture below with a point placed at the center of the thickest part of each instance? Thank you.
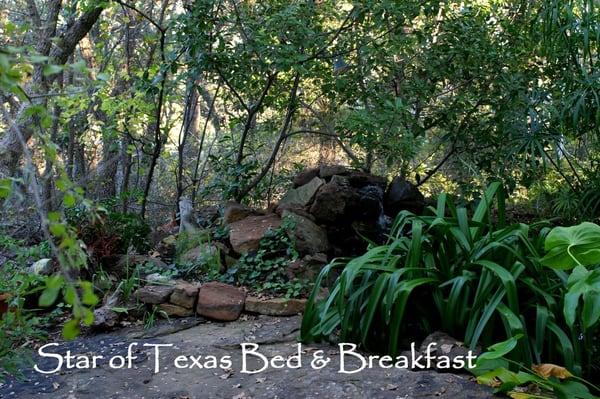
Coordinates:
(58, 229)
(70, 294)
(88, 317)
(50, 293)
(38, 58)
(500, 349)
(5, 188)
(71, 329)
(571, 246)
(591, 308)
(88, 298)
(69, 200)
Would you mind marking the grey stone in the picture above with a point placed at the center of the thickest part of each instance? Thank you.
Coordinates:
(442, 344)
(305, 176)
(403, 195)
(302, 195)
(201, 252)
(326, 171)
(308, 236)
(154, 294)
(41, 267)
(307, 268)
(105, 318)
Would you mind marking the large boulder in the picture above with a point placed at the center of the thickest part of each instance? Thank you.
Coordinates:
(302, 195)
(360, 179)
(207, 215)
(305, 176)
(369, 204)
(327, 171)
(308, 236)
(403, 195)
(245, 234)
(220, 301)
(234, 212)
(307, 268)
(332, 199)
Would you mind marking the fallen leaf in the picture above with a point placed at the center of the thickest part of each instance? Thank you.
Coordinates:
(551, 370)
(493, 382)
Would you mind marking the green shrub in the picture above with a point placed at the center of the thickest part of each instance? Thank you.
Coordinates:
(472, 277)
(110, 232)
(19, 325)
(190, 240)
(24, 254)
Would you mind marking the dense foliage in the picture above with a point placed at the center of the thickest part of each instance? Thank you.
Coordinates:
(475, 278)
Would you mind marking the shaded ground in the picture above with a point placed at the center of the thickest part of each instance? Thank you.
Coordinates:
(276, 336)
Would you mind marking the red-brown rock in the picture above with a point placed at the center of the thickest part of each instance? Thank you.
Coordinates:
(175, 311)
(245, 235)
(275, 306)
(184, 295)
(234, 212)
(220, 301)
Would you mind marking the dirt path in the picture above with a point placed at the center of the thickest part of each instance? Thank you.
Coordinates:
(275, 336)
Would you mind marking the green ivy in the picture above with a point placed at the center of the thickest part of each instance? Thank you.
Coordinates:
(266, 269)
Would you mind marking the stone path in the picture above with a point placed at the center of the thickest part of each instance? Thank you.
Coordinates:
(275, 336)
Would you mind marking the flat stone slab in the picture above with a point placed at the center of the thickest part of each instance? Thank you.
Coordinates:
(275, 336)
(154, 294)
(275, 306)
(175, 310)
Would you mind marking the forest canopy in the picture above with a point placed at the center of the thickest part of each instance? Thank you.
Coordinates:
(218, 100)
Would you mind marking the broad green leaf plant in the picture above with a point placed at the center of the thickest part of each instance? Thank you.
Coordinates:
(473, 276)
